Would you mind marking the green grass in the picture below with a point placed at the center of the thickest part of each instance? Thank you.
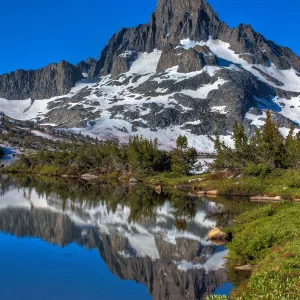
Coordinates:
(269, 238)
(284, 183)
(168, 178)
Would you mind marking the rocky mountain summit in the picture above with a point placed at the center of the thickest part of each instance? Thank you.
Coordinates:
(176, 20)
(185, 72)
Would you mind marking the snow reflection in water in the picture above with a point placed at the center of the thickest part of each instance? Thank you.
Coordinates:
(158, 240)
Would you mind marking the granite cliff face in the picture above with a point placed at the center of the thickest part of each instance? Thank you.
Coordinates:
(185, 72)
(53, 80)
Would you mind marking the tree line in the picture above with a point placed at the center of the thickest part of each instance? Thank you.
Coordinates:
(139, 156)
(266, 150)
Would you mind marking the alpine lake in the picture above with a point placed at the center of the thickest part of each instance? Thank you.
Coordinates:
(71, 239)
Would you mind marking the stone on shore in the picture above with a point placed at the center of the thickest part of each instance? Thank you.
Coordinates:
(248, 268)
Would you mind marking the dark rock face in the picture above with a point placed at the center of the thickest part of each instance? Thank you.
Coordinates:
(190, 60)
(53, 80)
(172, 21)
(85, 65)
(244, 39)
(175, 20)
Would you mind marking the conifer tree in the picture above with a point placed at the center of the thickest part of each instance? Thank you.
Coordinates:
(183, 158)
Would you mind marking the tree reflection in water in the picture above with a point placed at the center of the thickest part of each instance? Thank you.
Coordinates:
(155, 239)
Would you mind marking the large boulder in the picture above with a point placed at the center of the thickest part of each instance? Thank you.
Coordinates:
(217, 234)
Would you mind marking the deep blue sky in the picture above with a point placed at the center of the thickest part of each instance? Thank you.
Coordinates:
(35, 33)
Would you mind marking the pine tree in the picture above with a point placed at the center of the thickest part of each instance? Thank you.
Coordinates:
(183, 158)
(271, 144)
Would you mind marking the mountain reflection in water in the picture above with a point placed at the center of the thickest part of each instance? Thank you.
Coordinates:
(157, 240)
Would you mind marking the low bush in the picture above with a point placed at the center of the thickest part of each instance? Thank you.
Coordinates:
(261, 170)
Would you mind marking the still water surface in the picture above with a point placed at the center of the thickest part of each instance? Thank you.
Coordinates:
(76, 240)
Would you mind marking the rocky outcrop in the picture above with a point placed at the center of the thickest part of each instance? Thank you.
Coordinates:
(53, 80)
(255, 49)
(85, 65)
(122, 63)
(172, 21)
(190, 60)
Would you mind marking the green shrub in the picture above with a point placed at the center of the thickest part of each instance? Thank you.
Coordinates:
(249, 187)
(260, 170)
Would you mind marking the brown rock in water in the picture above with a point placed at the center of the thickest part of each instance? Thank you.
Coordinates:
(133, 180)
(217, 234)
(158, 189)
(201, 192)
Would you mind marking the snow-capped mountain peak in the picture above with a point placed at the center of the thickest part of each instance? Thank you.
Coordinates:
(185, 72)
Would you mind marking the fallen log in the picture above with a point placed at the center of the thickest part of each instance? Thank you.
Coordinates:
(265, 199)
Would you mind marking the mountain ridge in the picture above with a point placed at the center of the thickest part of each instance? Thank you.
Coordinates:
(185, 72)
(198, 21)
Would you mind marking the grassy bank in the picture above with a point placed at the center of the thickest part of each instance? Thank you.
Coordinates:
(267, 237)
(280, 182)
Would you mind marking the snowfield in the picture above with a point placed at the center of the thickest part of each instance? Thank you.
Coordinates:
(222, 49)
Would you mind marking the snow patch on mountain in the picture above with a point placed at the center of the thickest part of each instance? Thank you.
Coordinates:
(146, 63)
(106, 128)
(222, 49)
(24, 109)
